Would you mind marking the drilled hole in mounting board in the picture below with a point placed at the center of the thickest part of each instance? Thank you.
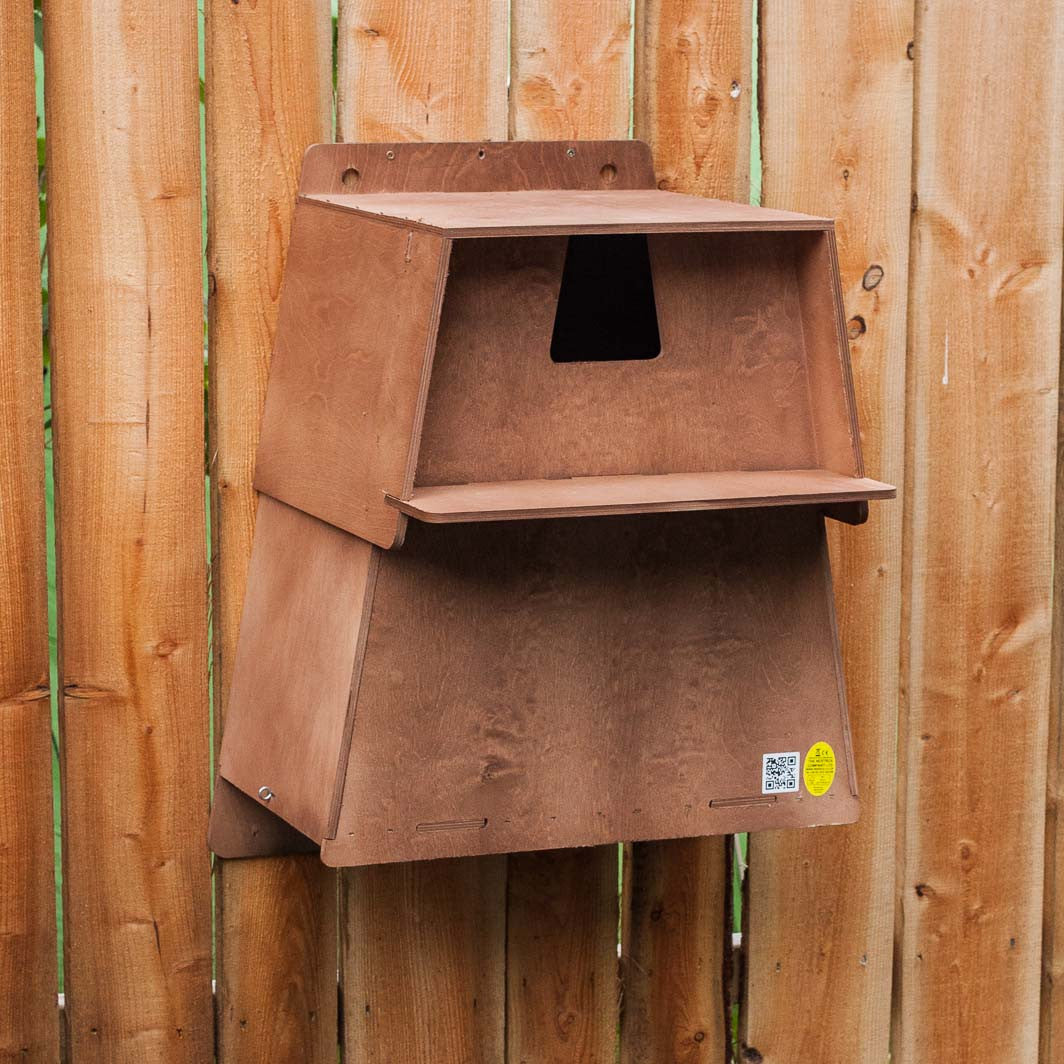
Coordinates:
(350, 177)
(481, 153)
(608, 174)
(606, 310)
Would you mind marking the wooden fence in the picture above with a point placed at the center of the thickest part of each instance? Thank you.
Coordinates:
(927, 931)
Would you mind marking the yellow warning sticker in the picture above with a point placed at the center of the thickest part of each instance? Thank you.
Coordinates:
(819, 769)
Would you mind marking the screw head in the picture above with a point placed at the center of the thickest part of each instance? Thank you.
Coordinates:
(265, 793)
(571, 152)
(389, 154)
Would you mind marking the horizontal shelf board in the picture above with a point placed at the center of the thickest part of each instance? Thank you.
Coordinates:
(562, 212)
(598, 496)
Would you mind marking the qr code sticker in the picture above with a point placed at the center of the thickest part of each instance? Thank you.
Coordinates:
(779, 773)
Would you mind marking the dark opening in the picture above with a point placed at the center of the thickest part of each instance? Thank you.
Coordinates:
(606, 307)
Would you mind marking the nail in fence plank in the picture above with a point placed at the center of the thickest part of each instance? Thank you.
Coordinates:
(692, 105)
(268, 96)
(984, 342)
(423, 945)
(821, 903)
(422, 962)
(676, 934)
(127, 349)
(28, 1029)
(570, 69)
(434, 70)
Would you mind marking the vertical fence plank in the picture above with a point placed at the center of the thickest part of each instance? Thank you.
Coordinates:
(28, 1017)
(693, 94)
(570, 69)
(433, 70)
(127, 332)
(268, 96)
(692, 105)
(984, 342)
(571, 79)
(821, 903)
(423, 945)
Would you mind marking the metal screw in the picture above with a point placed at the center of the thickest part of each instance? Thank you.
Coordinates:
(389, 154)
(571, 152)
(265, 793)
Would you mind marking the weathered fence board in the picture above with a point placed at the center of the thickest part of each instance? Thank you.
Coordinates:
(692, 105)
(28, 1027)
(268, 96)
(428, 71)
(984, 340)
(127, 350)
(823, 992)
(433, 70)
(570, 69)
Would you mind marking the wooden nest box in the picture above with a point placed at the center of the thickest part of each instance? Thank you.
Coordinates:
(540, 555)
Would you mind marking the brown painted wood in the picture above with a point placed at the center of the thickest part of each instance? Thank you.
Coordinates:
(676, 934)
(730, 391)
(669, 492)
(820, 912)
(561, 956)
(427, 71)
(562, 212)
(353, 287)
(268, 95)
(28, 1029)
(423, 962)
(306, 615)
(122, 99)
(689, 62)
(476, 166)
(243, 827)
(984, 344)
(599, 688)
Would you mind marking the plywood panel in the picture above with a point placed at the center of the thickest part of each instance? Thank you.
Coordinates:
(561, 956)
(127, 349)
(823, 992)
(268, 96)
(28, 1030)
(692, 97)
(693, 94)
(583, 681)
(984, 342)
(426, 71)
(570, 69)
(422, 972)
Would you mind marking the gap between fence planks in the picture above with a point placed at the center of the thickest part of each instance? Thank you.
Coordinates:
(268, 96)
(29, 1027)
(820, 903)
(984, 342)
(423, 72)
(127, 351)
(692, 104)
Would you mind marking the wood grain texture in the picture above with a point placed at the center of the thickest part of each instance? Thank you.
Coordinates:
(609, 679)
(984, 342)
(693, 94)
(350, 372)
(268, 96)
(561, 957)
(676, 932)
(570, 69)
(423, 952)
(687, 57)
(127, 349)
(410, 72)
(28, 1027)
(426, 71)
(823, 992)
